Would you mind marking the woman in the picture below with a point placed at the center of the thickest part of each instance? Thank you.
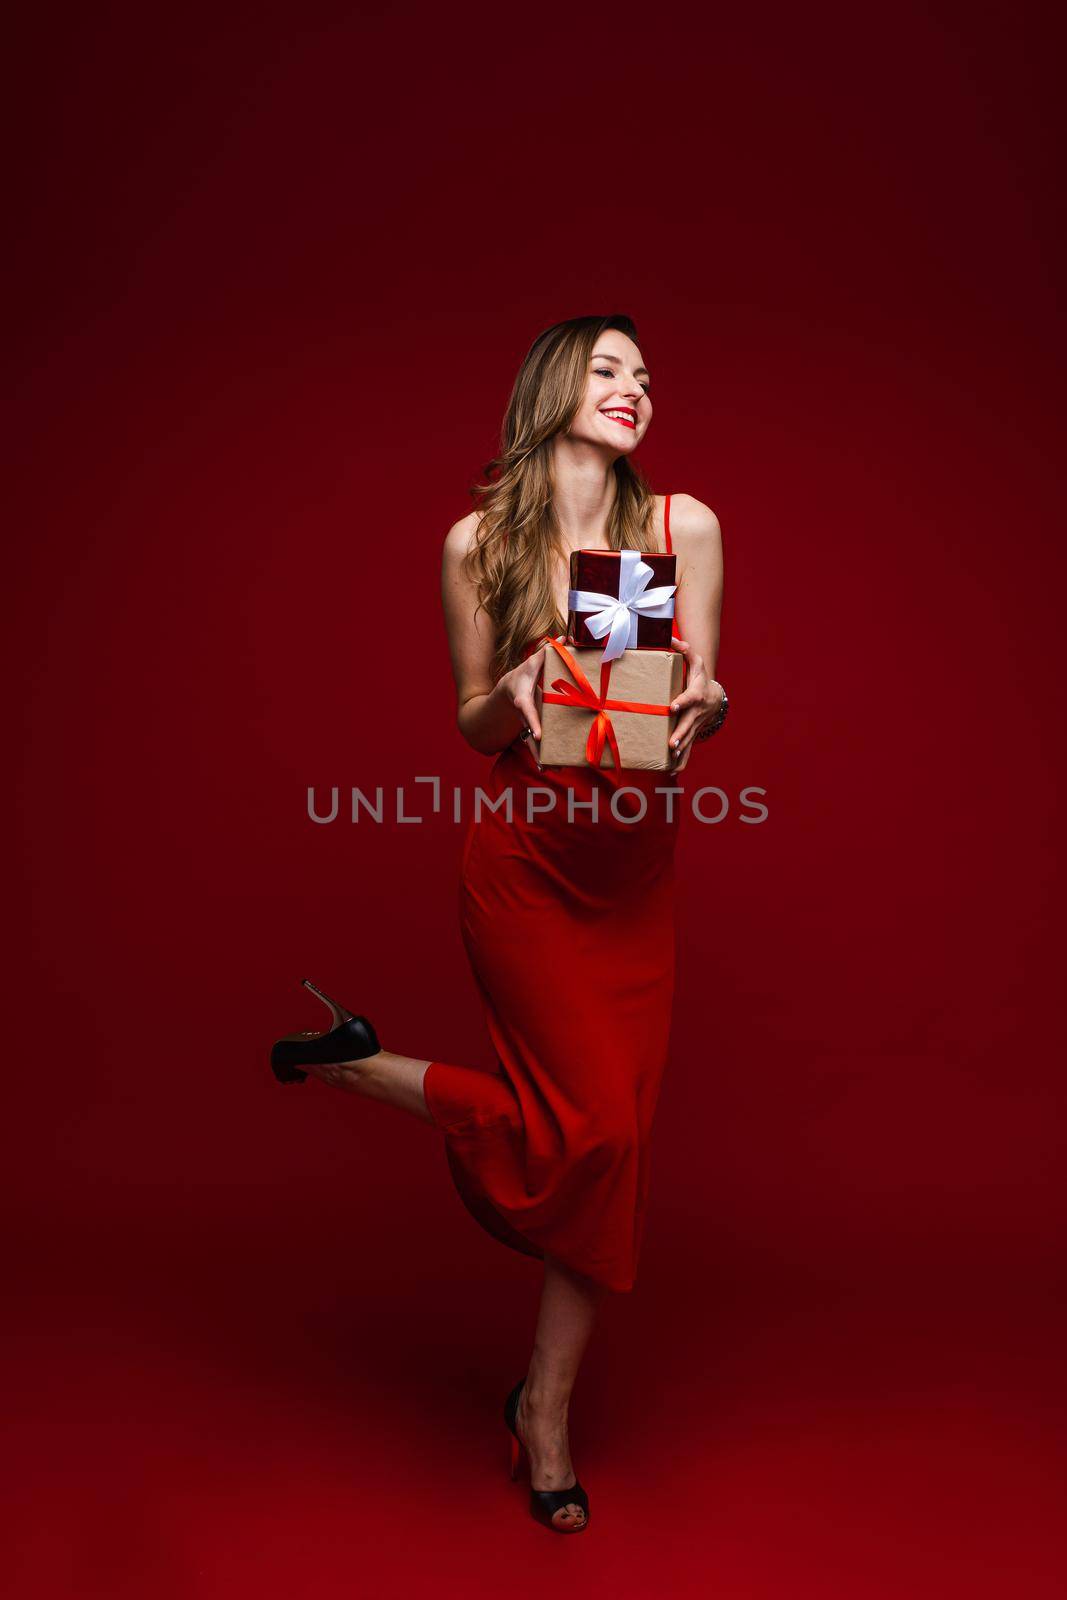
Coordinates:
(567, 912)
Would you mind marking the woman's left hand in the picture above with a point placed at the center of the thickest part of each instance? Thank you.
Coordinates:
(699, 702)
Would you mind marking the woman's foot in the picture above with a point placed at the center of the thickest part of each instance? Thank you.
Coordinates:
(351, 1076)
(543, 1430)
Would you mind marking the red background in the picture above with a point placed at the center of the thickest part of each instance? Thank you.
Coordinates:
(275, 271)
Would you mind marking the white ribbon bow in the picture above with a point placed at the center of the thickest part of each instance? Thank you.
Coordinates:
(618, 615)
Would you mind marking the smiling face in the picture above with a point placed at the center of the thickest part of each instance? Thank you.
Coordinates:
(616, 410)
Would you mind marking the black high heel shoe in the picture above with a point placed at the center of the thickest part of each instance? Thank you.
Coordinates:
(544, 1503)
(350, 1039)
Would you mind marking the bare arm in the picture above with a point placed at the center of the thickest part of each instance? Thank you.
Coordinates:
(489, 716)
(697, 538)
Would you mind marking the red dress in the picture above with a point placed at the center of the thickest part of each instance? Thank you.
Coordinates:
(569, 928)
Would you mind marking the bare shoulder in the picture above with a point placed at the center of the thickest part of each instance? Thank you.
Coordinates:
(695, 523)
(458, 543)
(459, 540)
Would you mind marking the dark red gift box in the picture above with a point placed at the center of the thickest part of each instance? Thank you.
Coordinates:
(598, 571)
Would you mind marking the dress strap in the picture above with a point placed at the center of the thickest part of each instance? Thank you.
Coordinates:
(667, 537)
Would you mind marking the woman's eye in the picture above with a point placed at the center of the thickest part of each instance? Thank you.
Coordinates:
(606, 372)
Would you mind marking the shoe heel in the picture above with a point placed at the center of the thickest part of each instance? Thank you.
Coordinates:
(511, 1408)
(339, 1013)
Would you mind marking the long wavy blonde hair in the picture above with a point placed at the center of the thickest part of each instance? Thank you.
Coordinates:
(518, 537)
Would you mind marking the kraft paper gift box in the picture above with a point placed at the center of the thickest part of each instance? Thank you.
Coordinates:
(621, 600)
(581, 716)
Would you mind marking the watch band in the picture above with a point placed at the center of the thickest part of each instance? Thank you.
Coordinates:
(713, 727)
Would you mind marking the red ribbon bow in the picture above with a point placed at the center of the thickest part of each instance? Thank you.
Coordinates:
(582, 696)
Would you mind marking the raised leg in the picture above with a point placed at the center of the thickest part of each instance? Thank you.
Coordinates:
(385, 1076)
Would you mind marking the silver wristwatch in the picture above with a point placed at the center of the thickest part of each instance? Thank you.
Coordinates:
(720, 717)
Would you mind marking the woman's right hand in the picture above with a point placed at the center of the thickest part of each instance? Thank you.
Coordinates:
(517, 688)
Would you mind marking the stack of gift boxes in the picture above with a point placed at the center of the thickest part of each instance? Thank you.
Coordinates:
(605, 692)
